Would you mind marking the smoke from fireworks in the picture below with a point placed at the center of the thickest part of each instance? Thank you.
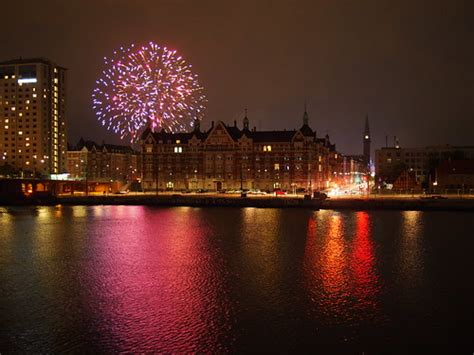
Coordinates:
(151, 85)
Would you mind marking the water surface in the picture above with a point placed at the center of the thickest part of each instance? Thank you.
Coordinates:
(132, 278)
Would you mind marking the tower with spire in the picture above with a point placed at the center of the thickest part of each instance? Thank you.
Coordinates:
(246, 121)
(305, 128)
(366, 143)
(305, 116)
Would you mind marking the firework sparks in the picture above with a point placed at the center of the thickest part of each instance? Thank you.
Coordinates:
(152, 86)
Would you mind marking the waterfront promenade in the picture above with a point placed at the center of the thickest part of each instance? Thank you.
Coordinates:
(395, 202)
(348, 202)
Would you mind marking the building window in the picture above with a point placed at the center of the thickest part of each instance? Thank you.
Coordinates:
(178, 149)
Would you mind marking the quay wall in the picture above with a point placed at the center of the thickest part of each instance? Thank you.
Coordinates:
(359, 204)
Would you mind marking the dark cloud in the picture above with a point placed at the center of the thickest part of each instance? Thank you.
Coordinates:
(408, 64)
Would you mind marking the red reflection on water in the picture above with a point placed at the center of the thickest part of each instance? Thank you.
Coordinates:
(325, 266)
(341, 276)
(157, 281)
(334, 260)
(363, 262)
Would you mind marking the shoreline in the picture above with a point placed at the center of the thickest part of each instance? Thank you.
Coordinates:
(359, 204)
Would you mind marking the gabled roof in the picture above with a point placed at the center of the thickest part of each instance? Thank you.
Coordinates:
(118, 148)
(112, 148)
(167, 136)
(306, 131)
(272, 136)
(235, 133)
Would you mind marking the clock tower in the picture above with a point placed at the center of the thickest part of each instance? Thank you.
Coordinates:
(366, 143)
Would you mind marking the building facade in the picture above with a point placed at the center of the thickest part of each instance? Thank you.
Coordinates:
(392, 161)
(33, 116)
(226, 157)
(103, 162)
(454, 176)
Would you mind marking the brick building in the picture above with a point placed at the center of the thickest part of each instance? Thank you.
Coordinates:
(103, 162)
(390, 162)
(226, 157)
(455, 175)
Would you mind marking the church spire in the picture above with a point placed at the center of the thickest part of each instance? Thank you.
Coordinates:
(197, 124)
(305, 115)
(246, 120)
(367, 129)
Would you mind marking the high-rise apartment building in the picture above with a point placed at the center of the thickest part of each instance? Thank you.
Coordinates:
(32, 115)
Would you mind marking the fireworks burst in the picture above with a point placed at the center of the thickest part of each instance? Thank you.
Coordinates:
(151, 85)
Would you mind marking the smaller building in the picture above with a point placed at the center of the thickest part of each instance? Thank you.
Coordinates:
(406, 182)
(390, 162)
(103, 162)
(455, 176)
(354, 169)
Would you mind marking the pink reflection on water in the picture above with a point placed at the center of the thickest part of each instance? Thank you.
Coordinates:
(155, 283)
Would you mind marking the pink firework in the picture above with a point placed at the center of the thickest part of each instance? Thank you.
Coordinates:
(151, 86)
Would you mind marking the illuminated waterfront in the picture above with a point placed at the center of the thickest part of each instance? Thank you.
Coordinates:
(133, 278)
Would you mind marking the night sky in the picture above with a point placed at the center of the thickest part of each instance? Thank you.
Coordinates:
(407, 64)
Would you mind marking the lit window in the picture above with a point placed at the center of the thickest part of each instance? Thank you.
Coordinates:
(269, 148)
(366, 137)
(277, 166)
(178, 141)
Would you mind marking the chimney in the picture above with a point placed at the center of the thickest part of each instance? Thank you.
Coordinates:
(254, 129)
(235, 123)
